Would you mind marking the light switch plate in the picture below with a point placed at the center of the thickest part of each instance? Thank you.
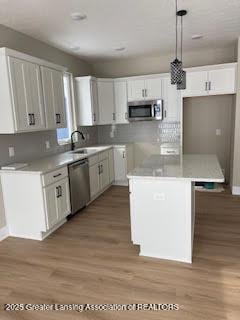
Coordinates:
(11, 152)
(111, 134)
(218, 132)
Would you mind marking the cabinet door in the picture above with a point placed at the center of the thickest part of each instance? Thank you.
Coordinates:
(63, 203)
(21, 93)
(53, 95)
(136, 90)
(153, 89)
(59, 100)
(94, 172)
(36, 96)
(196, 84)
(120, 92)
(104, 174)
(94, 102)
(111, 166)
(106, 102)
(120, 164)
(51, 193)
(222, 81)
(171, 101)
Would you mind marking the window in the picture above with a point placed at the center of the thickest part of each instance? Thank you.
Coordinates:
(64, 134)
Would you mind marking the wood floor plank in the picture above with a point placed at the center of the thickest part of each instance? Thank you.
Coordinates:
(91, 259)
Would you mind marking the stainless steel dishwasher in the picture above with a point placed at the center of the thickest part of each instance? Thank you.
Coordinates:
(79, 185)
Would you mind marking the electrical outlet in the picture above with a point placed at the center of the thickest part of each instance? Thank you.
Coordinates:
(87, 136)
(111, 134)
(11, 151)
(47, 143)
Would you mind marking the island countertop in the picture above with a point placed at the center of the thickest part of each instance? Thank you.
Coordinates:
(193, 167)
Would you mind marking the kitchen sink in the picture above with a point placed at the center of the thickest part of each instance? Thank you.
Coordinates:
(85, 151)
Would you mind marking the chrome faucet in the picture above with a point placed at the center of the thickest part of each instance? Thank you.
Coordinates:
(72, 143)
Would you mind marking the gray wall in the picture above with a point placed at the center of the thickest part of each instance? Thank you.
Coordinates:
(159, 64)
(202, 116)
(32, 145)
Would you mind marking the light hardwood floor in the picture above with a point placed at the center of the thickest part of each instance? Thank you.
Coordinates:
(92, 260)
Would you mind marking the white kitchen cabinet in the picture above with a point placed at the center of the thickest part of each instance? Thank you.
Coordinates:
(104, 174)
(120, 94)
(106, 103)
(136, 89)
(153, 88)
(94, 172)
(196, 84)
(171, 101)
(111, 165)
(123, 163)
(99, 173)
(222, 81)
(212, 80)
(21, 95)
(53, 94)
(41, 202)
(145, 89)
(86, 101)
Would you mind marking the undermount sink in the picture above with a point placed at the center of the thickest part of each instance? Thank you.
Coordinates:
(84, 151)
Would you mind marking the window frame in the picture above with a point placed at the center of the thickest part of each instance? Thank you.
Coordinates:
(70, 110)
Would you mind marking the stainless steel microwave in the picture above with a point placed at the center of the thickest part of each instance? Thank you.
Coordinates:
(145, 110)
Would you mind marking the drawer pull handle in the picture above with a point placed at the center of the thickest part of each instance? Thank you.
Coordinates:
(57, 175)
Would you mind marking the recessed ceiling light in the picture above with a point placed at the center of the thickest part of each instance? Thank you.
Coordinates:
(78, 16)
(197, 36)
(120, 49)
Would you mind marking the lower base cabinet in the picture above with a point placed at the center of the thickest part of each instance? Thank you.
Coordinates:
(41, 202)
(99, 175)
(57, 202)
(123, 163)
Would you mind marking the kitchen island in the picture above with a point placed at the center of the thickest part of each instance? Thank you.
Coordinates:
(162, 203)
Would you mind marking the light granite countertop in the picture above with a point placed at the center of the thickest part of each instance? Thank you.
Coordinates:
(204, 168)
(51, 163)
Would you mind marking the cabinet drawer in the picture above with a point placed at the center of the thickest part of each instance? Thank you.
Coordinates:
(93, 160)
(54, 176)
(103, 155)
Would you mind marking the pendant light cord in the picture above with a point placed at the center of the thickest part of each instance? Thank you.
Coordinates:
(176, 31)
(181, 37)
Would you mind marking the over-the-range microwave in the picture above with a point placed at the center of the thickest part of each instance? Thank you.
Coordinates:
(145, 110)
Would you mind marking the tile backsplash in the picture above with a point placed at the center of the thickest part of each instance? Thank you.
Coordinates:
(31, 146)
(142, 131)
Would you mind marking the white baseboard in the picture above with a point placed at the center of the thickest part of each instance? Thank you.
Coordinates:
(4, 233)
(236, 191)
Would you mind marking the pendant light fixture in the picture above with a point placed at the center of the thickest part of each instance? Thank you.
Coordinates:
(176, 65)
(178, 75)
(181, 84)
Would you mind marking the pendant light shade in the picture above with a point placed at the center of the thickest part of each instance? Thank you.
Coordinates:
(176, 70)
(178, 75)
(181, 85)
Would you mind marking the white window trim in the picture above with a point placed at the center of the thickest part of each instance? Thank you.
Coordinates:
(73, 120)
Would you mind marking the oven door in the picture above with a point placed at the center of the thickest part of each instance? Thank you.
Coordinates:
(140, 110)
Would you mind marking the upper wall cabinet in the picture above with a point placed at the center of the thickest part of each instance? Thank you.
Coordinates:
(213, 80)
(86, 101)
(24, 107)
(144, 89)
(106, 103)
(21, 94)
(171, 100)
(120, 94)
(53, 94)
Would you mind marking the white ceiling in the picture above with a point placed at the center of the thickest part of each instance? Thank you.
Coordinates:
(144, 27)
